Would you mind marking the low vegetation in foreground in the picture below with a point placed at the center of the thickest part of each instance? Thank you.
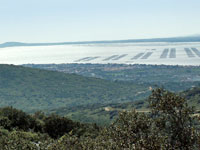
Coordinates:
(170, 124)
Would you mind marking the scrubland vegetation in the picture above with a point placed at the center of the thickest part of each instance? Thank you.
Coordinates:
(173, 78)
(49, 110)
(170, 124)
(35, 89)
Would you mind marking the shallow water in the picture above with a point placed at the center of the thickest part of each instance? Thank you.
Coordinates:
(131, 53)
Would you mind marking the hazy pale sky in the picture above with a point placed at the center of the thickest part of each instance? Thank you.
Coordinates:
(87, 20)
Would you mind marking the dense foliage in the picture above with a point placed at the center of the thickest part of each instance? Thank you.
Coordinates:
(34, 89)
(173, 78)
(170, 124)
(86, 99)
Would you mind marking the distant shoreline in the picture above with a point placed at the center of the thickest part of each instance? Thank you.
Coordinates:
(170, 40)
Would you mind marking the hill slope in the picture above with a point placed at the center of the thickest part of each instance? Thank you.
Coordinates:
(173, 78)
(34, 89)
(193, 96)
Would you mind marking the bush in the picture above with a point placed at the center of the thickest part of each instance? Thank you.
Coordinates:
(12, 118)
(57, 126)
(169, 125)
(174, 119)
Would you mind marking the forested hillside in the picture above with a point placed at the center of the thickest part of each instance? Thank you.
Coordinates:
(173, 78)
(104, 114)
(34, 89)
(169, 124)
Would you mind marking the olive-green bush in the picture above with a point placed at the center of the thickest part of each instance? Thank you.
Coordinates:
(169, 125)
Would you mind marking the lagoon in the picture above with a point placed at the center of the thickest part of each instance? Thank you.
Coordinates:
(176, 53)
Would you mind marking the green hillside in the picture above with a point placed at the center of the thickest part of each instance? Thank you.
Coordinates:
(193, 97)
(101, 114)
(168, 124)
(172, 78)
(34, 89)
(104, 114)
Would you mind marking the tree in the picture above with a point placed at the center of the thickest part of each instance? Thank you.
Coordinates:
(174, 119)
(17, 118)
(11, 118)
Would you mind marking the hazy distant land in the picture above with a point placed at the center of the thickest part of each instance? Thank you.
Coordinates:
(171, 39)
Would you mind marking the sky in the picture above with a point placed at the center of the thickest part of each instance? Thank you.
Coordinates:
(92, 20)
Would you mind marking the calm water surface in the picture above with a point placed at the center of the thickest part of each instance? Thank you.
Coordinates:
(132, 53)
